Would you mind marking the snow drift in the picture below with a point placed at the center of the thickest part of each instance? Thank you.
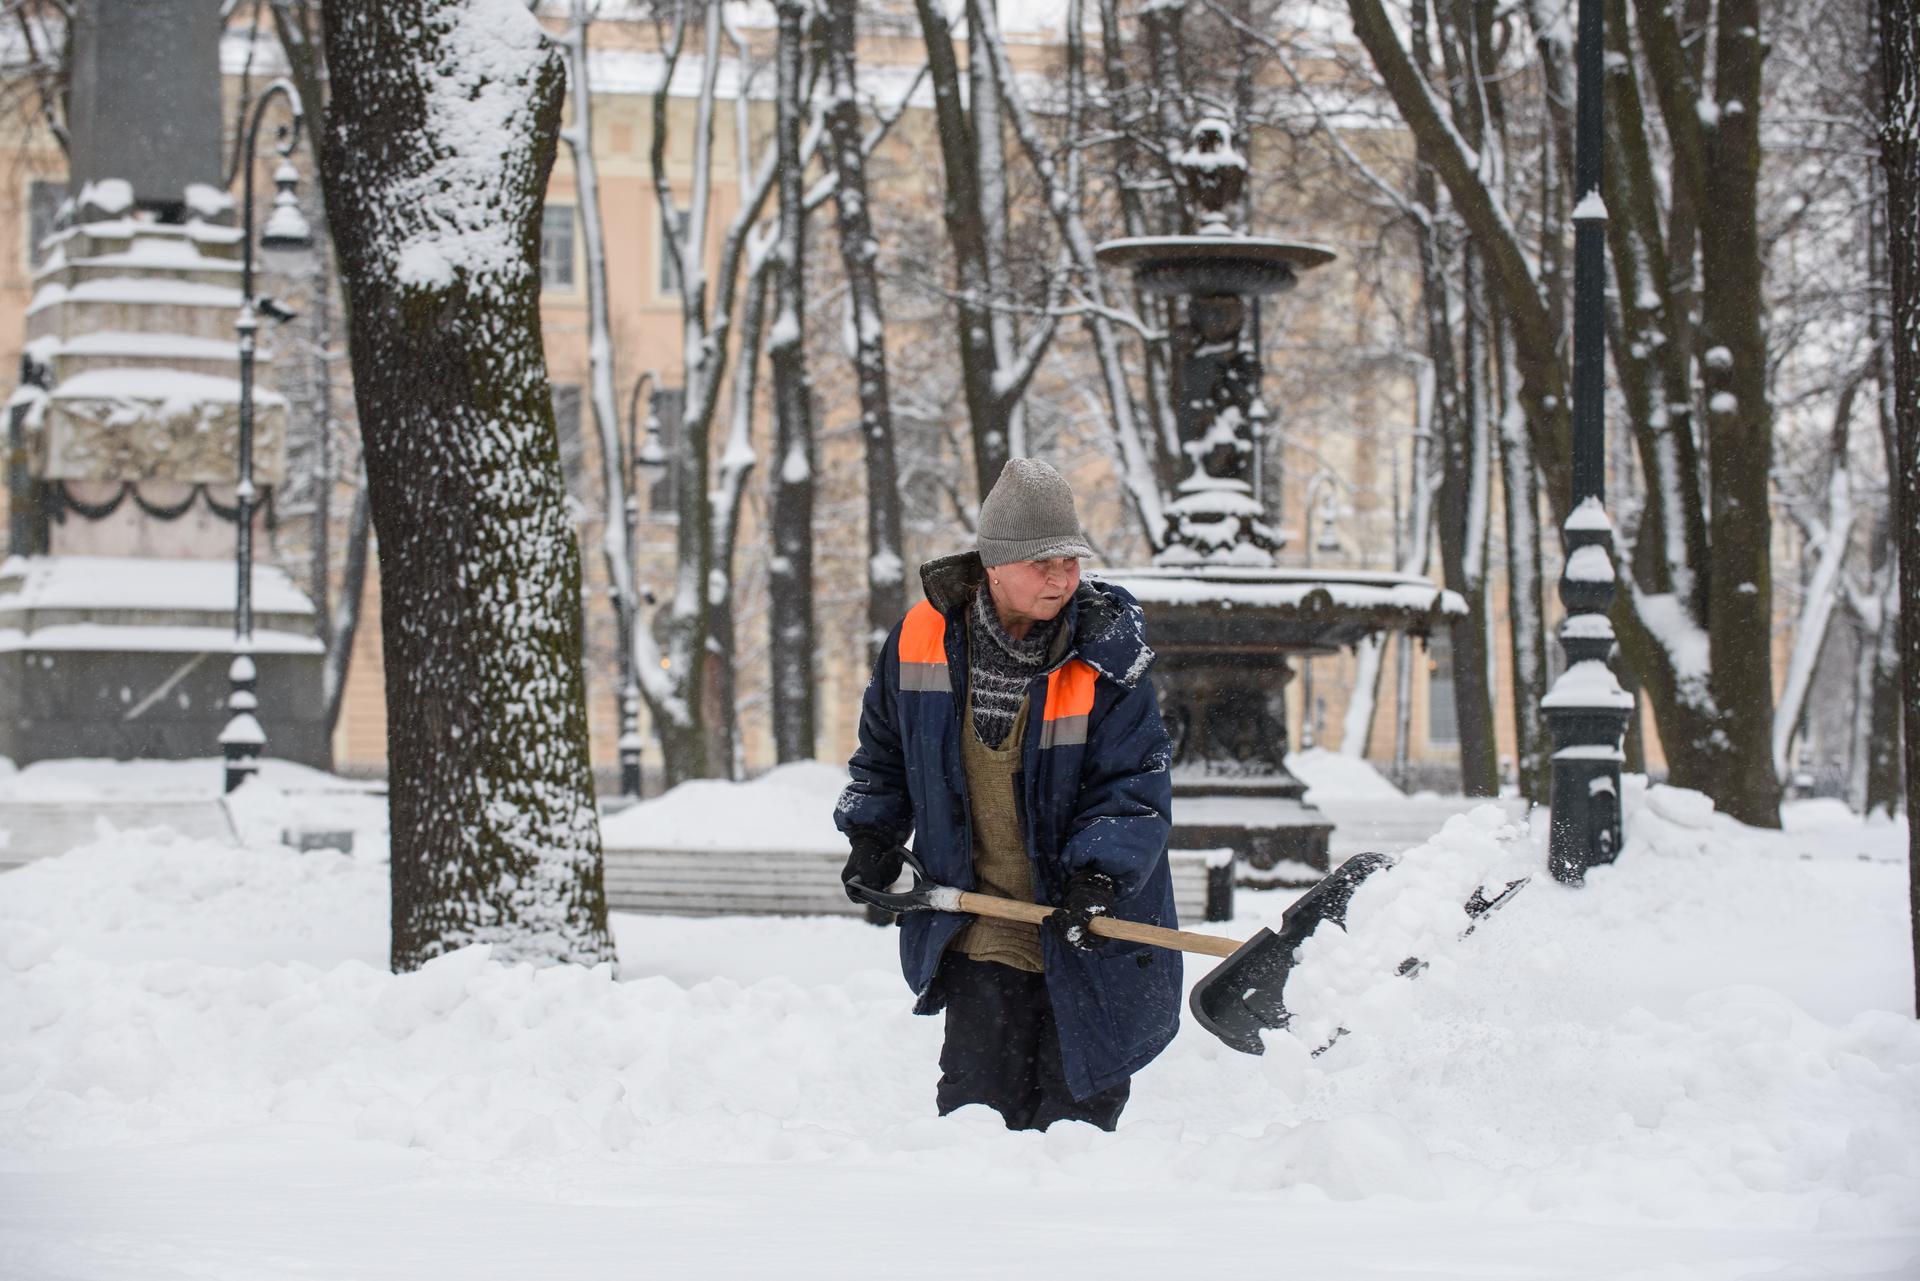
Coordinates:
(1710, 1036)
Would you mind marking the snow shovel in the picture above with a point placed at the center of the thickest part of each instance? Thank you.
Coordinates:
(1240, 998)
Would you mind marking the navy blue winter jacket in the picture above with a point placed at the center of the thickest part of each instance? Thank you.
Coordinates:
(1093, 791)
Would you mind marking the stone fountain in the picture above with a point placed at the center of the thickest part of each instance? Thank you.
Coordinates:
(1225, 619)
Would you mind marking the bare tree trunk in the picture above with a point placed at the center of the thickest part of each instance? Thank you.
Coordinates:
(494, 833)
(689, 697)
(1463, 526)
(886, 577)
(736, 465)
(1063, 196)
(966, 225)
(319, 338)
(1526, 592)
(297, 25)
(990, 162)
(1739, 426)
(790, 593)
(1873, 747)
(1410, 557)
(345, 625)
(615, 467)
(1166, 47)
(1129, 175)
(1900, 153)
(1460, 421)
(1829, 541)
(1885, 791)
(1696, 622)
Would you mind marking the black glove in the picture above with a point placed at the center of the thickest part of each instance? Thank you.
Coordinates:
(1089, 894)
(875, 863)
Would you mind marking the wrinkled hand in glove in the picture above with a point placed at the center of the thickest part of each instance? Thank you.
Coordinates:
(1089, 894)
(875, 863)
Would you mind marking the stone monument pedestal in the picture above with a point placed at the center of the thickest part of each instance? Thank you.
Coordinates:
(126, 658)
(117, 606)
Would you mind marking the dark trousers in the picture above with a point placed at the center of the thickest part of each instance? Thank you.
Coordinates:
(1003, 1050)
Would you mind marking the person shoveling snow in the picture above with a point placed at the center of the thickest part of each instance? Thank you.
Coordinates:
(1011, 729)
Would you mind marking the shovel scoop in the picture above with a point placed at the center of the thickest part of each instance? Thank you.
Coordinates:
(1239, 999)
(1245, 994)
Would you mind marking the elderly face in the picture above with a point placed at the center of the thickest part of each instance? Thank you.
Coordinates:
(1034, 590)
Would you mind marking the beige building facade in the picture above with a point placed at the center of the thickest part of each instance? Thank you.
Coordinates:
(1343, 397)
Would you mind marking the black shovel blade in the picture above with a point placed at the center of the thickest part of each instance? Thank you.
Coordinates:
(1246, 993)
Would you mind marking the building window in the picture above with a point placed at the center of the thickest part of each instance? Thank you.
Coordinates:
(566, 422)
(669, 403)
(556, 247)
(669, 271)
(1443, 723)
(43, 206)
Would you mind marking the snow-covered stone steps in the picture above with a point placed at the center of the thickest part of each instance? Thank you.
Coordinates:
(794, 883)
(40, 829)
(1388, 826)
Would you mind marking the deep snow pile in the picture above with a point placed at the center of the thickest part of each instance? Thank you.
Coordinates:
(1710, 1035)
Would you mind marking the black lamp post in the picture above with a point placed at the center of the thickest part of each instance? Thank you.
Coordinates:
(286, 233)
(1587, 711)
(644, 454)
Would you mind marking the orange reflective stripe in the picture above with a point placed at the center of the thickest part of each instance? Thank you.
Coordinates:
(923, 635)
(1069, 702)
(923, 651)
(1070, 690)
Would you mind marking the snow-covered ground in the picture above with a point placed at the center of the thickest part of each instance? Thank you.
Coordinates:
(1701, 1065)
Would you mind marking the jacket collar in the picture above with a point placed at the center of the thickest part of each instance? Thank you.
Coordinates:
(1104, 625)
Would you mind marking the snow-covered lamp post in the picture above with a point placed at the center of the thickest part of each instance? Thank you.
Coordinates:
(644, 454)
(1587, 710)
(283, 238)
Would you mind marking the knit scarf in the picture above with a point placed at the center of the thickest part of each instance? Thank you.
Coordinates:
(999, 668)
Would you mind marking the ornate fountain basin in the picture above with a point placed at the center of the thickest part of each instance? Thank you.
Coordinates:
(1226, 638)
(1244, 265)
(1290, 611)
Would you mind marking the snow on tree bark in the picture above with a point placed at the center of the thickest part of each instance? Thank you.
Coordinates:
(698, 735)
(990, 162)
(1129, 172)
(790, 574)
(1831, 538)
(1460, 375)
(1526, 587)
(441, 133)
(859, 251)
(615, 476)
(964, 214)
(1463, 527)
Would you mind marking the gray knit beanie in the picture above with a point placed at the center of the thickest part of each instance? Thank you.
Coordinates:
(1029, 516)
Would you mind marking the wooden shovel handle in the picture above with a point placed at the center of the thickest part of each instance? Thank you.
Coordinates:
(1106, 926)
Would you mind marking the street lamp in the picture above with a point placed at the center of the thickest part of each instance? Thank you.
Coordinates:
(643, 454)
(1325, 540)
(1587, 711)
(285, 236)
